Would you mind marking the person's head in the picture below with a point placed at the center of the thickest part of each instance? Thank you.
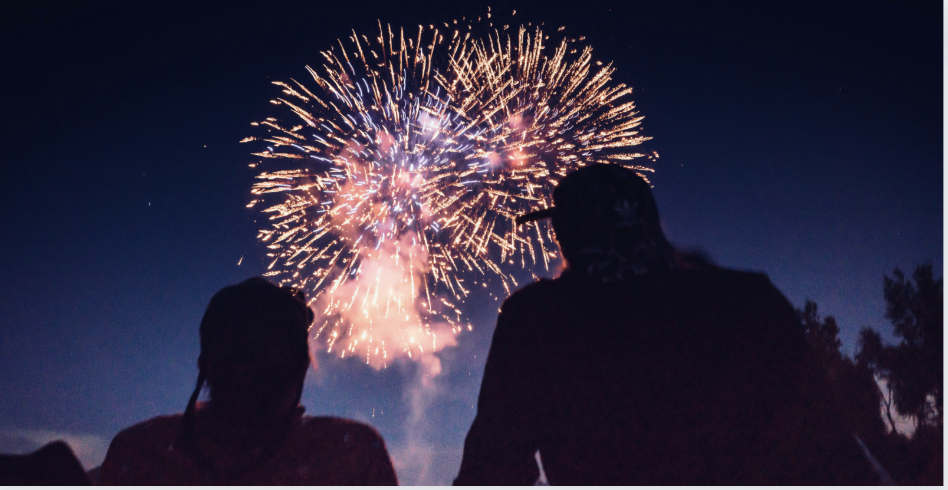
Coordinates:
(607, 225)
(254, 351)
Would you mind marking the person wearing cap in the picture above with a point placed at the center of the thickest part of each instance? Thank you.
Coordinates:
(254, 357)
(633, 367)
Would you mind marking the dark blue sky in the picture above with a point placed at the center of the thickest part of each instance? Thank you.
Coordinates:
(802, 139)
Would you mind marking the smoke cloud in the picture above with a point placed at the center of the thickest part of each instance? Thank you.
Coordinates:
(384, 312)
(415, 456)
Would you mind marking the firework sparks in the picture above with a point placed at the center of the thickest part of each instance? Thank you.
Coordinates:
(408, 163)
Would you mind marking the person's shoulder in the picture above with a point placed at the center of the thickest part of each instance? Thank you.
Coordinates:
(729, 281)
(156, 432)
(753, 301)
(541, 291)
(157, 426)
(721, 274)
(537, 287)
(142, 444)
(330, 423)
(353, 450)
(341, 432)
(755, 284)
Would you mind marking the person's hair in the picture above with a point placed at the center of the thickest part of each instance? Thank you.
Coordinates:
(252, 321)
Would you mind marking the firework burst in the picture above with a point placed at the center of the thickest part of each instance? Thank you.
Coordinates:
(402, 171)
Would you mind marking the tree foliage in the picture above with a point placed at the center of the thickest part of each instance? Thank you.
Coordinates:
(852, 385)
(822, 334)
(913, 368)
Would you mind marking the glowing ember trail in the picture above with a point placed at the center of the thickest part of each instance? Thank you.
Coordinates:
(402, 169)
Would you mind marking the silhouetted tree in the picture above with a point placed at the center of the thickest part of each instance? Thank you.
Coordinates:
(912, 371)
(876, 357)
(822, 334)
(853, 388)
(913, 368)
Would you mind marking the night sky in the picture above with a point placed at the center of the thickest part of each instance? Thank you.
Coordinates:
(803, 140)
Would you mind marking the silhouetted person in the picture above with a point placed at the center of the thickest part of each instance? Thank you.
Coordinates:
(52, 464)
(640, 366)
(254, 357)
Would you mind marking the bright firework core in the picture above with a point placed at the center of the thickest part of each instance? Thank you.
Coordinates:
(403, 173)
